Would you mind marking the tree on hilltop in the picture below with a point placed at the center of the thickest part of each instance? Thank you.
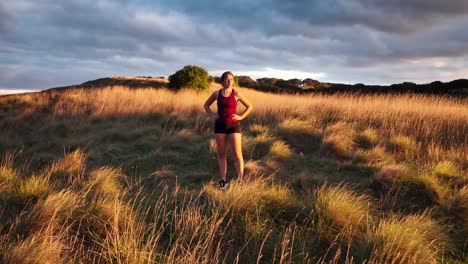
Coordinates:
(190, 76)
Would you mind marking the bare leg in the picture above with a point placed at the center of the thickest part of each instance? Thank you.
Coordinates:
(236, 144)
(221, 140)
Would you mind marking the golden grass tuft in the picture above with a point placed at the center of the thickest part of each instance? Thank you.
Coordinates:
(197, 235)
(34, 187)
(259, 146)
(257, 129)
(387, 176)
(340, 212)
(121, 236)
(426, 189)
(458, 205)
(68, 169)
(107, 216)
(38, 248)
(402, 144)
(7, 173)
(264, 138)
(303, 135)
(400, 189)
(377, 156)
(280, 150)
(448, 171)
(337, 141)
(55, 210)
(408, 239)
(367, 138)
(106, 180)
(254, 170)
(261, 195)
(297, 126)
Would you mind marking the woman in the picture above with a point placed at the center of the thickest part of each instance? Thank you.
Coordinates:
(227, 125)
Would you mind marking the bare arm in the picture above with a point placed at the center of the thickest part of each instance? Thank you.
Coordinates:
(208, 103)
(246, 103)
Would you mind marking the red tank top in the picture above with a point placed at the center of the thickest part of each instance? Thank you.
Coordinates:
(226, 107)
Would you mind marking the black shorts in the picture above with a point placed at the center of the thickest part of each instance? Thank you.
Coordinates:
(229, 128)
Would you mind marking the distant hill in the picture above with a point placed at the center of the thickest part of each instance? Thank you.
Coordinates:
(131, 82)
(457, 88)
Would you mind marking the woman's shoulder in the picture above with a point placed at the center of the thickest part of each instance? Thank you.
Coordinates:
(216, 93)
(213, 95)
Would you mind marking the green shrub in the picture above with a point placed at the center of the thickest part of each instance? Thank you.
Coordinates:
(190, 76)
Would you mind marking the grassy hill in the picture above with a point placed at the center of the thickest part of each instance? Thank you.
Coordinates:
(124, 175)
(455, 88)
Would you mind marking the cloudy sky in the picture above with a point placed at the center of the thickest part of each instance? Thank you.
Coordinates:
(47, 43)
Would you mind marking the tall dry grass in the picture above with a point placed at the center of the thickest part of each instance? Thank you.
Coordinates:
(432, 128)
(414, 144)
(106, 219)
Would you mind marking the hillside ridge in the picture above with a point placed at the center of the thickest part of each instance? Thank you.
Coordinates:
(457, 88)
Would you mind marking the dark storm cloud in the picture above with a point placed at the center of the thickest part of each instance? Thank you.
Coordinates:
(6, 18)
(65, 42)
(397, 16)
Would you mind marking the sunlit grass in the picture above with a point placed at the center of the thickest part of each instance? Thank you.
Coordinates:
(341, 213)
(410, 239)
(367, 138)
(337, 141)
(94, 204)
(260, 218)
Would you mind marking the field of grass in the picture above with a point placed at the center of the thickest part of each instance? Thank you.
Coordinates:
(119, 175)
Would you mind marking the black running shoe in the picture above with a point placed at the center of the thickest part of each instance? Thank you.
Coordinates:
(223, 184)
